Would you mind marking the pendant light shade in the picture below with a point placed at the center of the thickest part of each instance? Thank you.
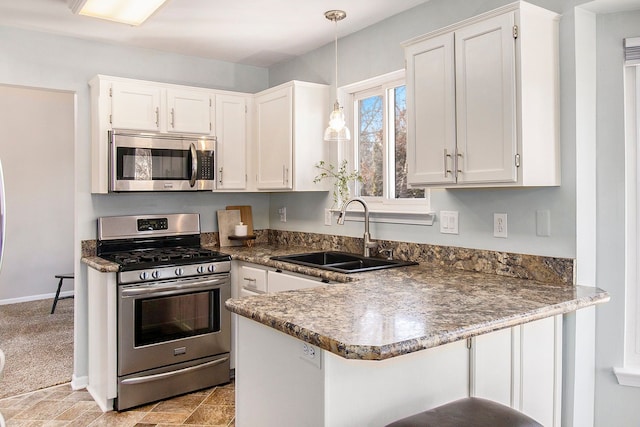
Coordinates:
(337, 129)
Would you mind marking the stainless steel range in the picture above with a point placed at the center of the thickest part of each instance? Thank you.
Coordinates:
(174, 333)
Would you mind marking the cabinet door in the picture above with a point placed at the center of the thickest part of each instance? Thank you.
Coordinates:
(135, 107)
(431, 110)
(274, 121)
(491, 366)
(486, 101)
(231, 124)
(521, 367)
(279, 282)
(188, 111)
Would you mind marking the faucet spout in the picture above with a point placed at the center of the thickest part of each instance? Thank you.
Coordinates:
(368, 244)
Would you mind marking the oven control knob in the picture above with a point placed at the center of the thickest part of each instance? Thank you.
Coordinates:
(144, 275)
(155, 274)
(212, 268)
(179, 271)
(200, 269)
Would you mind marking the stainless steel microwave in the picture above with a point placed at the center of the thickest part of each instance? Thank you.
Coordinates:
(160, 162)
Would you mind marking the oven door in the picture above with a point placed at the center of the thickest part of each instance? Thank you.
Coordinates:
(154, 162)
(170, 322)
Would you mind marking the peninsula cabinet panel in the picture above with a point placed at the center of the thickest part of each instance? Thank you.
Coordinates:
(521, 367)
(482, 101)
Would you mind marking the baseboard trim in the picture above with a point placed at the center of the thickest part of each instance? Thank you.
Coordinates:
(64, 294)
(79, 383)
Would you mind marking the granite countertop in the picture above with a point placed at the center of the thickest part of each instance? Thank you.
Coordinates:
(387, 313)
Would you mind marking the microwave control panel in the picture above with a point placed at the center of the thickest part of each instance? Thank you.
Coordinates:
(205, 166)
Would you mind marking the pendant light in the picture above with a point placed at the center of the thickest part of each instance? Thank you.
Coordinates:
(337, 129)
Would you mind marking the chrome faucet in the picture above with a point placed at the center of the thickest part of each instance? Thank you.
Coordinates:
(368, 244)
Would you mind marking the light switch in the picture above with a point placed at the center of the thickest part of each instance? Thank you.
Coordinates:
(449, 222)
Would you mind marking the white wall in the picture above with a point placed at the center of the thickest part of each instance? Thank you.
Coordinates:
(36, 149)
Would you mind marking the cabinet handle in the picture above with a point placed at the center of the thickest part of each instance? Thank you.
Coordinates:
(220, 180)
(157, 116)
(284, 174)
(458, 161)
(446, 156)
(173, 118)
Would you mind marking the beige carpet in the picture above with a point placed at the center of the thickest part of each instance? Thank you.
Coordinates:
(38, 345)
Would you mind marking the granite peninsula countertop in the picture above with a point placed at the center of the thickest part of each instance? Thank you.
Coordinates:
(387, 313)
(382, 314)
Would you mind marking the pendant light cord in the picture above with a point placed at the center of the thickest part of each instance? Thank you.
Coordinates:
(336, 54)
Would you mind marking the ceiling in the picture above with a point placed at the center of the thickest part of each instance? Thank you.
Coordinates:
(252, 32)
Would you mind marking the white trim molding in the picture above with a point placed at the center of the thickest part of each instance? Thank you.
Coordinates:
(628, 376)
(629, 373)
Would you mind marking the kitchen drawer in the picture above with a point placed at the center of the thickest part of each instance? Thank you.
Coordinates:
(253, 279)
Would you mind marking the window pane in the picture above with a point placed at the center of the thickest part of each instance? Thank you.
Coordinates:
(400, 119)
(370, 150)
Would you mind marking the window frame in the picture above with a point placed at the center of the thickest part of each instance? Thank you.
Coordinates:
(383, 209)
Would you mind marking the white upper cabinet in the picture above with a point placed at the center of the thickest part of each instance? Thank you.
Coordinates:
(482, 99)
(231, 148)
(289, 121)
(135, 106)
(274, 126)
(189, 111)
(433, 99)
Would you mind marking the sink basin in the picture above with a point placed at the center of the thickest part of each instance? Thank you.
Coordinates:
(341, 261)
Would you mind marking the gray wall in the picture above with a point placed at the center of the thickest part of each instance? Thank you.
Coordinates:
(376, 50)
(36, 149)
(360, 58)
(54, 62)
(616, 405)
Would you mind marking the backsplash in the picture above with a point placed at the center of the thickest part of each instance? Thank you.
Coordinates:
(533, 267)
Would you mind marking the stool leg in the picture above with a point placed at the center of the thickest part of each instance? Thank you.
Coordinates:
(55, 300)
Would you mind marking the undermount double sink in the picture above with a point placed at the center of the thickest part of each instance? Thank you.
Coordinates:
(342, 262)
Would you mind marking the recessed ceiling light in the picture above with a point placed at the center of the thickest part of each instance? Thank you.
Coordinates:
(132, 12)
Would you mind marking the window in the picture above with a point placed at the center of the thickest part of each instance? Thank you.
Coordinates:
(378, 111)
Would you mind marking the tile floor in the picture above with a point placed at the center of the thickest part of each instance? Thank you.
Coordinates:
(61, 406)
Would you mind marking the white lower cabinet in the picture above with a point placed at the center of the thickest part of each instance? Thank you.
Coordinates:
(249, 279)
(521, 367)
(102, 344)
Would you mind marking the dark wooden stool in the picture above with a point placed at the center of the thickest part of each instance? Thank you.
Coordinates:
(61, 277)
(467, 412)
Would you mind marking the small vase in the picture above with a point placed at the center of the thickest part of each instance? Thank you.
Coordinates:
(340, 197)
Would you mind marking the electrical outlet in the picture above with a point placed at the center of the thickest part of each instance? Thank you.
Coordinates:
(283, 214)
(327, 216)
(500, 225)
(311, 354)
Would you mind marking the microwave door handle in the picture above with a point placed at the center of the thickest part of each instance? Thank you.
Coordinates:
(194, 164)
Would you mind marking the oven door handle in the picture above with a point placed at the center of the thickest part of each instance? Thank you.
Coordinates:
(194, 164)
(174, 288)
(156, 377)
